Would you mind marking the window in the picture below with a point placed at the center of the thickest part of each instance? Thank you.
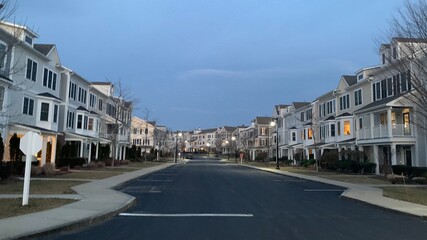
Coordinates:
(394, 52)
(31, 70)
(360, 123)
(55, 113)
(72, 91)
(302, 117)
(383, 58)
(49, 79)
(344, 102)
(85, 119)
(79, 121)
(383, 89)
(308, 114)
(332, 130)
(3, 57)
(100, 104)
(358, 97)
(44, 112)
(347, 130)
(294, 136)
(90, 126)
(338, 128)
(28, 107)
(92, 100)
(359, 77)
(1, 98)
(29, 40)
(310, 133)
(82, 95)
(70, 120)
(390, 86)
(383, 118)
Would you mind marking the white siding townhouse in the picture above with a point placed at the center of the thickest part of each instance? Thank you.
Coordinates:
(39, 94)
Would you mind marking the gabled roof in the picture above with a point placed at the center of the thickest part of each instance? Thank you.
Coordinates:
(414, 40)
(263, 120)
(46, 94)
(329, 118)
(209, 130)
(298, 105)
(346, 114)
(350, 80)
(82, 109)
(102, 83)
(378, 104)
(44, 48)
(230, 129)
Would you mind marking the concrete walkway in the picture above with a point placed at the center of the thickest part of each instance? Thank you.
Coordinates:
(98, 201)
(364, 193)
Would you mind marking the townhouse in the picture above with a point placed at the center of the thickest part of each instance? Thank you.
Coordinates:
(260, 137)
(143, 134)
(38, 93)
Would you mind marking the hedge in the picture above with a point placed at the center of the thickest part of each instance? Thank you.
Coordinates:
(409, 171)
(70, 162)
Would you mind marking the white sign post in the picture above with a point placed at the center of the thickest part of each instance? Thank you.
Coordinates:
(30, 144)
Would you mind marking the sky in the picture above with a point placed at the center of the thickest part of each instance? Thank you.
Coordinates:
(209, 63)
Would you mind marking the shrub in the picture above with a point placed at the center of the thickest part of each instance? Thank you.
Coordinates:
(329, 160)
(70, 162)
(151, 156)
(348, 166)
(367, 167)
(308, 162)
(92, 165)
(100, 164)
(261, 157)
(49, 169)
(409, 171)
(5, 171)
(36, 170)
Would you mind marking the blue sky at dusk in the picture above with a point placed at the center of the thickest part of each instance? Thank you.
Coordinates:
(210, 63)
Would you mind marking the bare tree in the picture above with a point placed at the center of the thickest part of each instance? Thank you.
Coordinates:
(409, 29)
(119, 109)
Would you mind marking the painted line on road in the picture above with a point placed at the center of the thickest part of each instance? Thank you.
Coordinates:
(323, 190)
(149, 180)
(185, 215)
(294, 180)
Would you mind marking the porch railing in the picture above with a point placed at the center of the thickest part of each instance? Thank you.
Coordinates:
(381, 131)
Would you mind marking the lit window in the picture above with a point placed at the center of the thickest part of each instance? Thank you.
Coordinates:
(347, 130)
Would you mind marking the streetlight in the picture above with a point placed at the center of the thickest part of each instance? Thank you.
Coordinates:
(228, 150)
(176, 145)
(209, 148)
(275, 122)
(233, 139)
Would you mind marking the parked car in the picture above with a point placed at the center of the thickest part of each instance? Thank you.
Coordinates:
(189, 156)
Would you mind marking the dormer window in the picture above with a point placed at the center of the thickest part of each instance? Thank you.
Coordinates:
(394, 52)
(359, 77)
(383, 58)
(29, 40)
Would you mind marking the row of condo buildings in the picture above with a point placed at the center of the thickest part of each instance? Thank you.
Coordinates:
(370, 111)
(39, 93)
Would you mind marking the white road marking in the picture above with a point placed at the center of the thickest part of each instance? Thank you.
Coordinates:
(323, 190)
(149, 180)
(291, 180)
(141, 190)
(185, 215)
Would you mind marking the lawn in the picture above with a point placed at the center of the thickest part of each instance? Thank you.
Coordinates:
(13, 207)
(39, 187)
(409, 194)
(89, 174)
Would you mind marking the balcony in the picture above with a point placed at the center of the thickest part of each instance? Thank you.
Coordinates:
(382, 131)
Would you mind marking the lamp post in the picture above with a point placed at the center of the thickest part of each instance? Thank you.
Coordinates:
(209, 148)
(233, 140)
(228, 150)
(275, 122)
(176, 146)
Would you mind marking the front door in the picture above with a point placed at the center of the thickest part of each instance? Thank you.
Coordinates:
(408, 157)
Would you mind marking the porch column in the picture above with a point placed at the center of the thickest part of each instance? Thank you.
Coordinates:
(89, 158)
(376, 159)
(124, 152)
(81, 148)
(53, 143)
(393, 154)
(371, 117)
(97, 150)
(44, 150)
(339, 152)
(389, 127)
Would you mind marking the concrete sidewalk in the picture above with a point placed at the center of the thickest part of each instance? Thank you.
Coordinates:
(98, 201)
(363, 193)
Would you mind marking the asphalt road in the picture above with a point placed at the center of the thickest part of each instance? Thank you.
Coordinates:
(206, 199)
